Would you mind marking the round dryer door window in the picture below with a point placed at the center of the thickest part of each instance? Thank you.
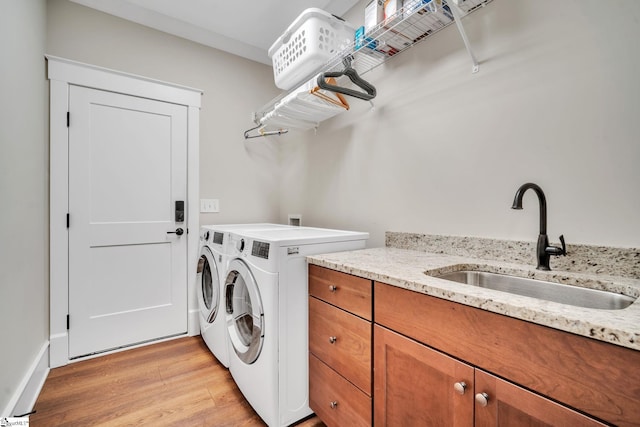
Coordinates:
(209, 281)
(245, 317)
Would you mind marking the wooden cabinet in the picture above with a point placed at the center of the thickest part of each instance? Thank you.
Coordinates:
(340, 328)
(440, 363)
(594, 377)
(419, 386)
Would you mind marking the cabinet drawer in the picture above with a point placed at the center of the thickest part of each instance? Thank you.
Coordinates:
(348, 292)
(342, 341)
(335, 400)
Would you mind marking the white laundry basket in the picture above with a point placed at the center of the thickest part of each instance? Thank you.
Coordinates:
(310, 41)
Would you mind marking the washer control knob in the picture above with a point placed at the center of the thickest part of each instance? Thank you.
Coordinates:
(240, 245)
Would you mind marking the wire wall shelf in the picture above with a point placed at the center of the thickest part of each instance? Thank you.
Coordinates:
(413, 23)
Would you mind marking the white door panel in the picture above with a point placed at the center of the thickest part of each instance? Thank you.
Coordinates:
(130, 165)
(127, 167)
(142, 279)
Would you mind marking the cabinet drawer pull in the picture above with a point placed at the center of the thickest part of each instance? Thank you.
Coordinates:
(333, 404)
(482, 399)
(333, 340)
(333, 288)
(460, 387)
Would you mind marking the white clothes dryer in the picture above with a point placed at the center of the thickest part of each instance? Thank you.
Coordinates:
(266, 294)
(211, 271)
(209, 291)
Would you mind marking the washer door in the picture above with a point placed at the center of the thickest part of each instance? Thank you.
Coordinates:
(208, 281)
(245, 316)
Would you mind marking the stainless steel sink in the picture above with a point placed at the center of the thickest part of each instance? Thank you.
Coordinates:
(548, 291)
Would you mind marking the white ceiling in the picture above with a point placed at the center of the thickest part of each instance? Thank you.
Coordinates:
(245, 28)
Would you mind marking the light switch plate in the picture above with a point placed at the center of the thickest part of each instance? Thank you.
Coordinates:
(209, 205)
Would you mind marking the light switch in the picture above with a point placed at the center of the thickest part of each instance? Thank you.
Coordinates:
(209, 205)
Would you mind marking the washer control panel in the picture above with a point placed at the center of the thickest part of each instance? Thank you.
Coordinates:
(218, 237)
(260, 249)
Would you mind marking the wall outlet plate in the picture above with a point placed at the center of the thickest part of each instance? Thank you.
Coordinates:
(295, 219)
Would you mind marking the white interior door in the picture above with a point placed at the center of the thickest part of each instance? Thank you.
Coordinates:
(127, 168)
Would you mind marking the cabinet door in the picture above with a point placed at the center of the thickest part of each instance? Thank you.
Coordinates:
(508, 405)
(416, 386)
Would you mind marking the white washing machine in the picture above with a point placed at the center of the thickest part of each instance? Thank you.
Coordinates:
(212, 267)
(266, 293)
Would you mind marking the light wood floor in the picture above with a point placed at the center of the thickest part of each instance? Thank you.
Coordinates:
(174, 383)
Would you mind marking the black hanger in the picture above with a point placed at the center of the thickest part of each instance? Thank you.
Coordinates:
(369, 90)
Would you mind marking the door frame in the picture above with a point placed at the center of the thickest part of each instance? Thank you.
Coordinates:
(62, 73)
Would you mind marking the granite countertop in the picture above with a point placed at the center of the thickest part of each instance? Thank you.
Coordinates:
(410, 269)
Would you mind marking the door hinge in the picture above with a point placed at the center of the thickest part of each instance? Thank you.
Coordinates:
(68, 118)
(67, 220)
(67, 322)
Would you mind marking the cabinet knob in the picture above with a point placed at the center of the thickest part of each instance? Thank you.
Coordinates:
(482, 399)
(333, 340)
(333, 404)
(333, 288)
(460, 387)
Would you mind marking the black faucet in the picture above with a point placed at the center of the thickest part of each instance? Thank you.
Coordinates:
(543, 251)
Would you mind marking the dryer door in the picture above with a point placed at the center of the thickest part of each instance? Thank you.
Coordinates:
(245, 316)
(208, 281)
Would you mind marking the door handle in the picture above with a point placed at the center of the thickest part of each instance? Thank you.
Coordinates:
(179, 232)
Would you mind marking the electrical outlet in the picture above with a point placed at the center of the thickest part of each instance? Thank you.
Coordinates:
(209, 205)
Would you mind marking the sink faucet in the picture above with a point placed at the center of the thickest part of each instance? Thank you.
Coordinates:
(543, 251)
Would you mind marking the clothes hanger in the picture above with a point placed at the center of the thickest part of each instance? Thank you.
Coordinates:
(341, 101)
(263, 132)
(369, 91)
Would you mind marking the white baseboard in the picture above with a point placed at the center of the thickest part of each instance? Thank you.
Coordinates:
(25, 397)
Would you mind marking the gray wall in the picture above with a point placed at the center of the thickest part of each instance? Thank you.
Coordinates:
(556, 102)
(24, 236)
